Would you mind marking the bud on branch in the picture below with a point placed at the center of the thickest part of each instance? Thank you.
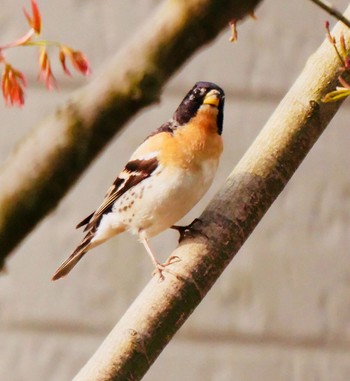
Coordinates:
(13, 81)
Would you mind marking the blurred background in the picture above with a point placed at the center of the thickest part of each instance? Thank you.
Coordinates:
(281, 310)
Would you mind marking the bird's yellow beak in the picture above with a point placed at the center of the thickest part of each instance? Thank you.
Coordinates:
(212, 98)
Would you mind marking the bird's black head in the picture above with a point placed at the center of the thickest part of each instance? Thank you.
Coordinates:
(201, 93)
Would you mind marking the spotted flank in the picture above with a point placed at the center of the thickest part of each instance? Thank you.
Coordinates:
(134, 172)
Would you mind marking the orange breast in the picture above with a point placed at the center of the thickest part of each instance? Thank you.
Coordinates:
(195, 142)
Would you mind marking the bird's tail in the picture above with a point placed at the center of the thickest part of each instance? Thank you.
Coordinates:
(74, 258)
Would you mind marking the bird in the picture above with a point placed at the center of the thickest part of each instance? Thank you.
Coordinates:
(165, 177)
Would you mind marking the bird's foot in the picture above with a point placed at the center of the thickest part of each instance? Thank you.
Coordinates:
(189, 231)
(163, 267)
(172, 259)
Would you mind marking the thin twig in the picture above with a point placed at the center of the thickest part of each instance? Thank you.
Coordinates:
(325, 5)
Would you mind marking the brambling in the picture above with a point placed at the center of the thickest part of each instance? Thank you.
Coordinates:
(164, 178)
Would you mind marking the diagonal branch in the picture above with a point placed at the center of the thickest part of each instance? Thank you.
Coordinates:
(162, 307)
(54, 155)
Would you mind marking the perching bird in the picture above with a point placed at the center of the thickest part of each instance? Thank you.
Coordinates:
(164, 178)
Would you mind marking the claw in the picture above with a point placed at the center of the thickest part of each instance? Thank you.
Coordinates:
(172, 259)
(189, 231)
(160, 268)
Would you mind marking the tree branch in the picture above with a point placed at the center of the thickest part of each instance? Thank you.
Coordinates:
(162, 307)
(326, 6)
(53, 156)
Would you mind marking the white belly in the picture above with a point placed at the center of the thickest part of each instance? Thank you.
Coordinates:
(164, 198)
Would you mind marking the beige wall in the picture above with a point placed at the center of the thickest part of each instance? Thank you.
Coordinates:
(281, 310)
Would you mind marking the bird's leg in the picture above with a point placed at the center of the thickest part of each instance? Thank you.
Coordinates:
(159, 268)
(189, 230)
(156, 264)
